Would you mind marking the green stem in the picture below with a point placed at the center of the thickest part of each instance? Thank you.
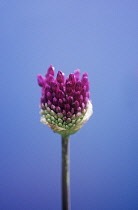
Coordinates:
(65, 173)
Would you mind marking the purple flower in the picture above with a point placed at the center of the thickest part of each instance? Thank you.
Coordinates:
(65, 104)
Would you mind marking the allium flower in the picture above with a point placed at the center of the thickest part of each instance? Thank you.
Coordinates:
(65, 104)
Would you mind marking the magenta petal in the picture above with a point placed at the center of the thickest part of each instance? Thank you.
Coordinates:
(40, 80)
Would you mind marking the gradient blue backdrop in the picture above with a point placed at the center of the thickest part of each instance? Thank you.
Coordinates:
(101, 38)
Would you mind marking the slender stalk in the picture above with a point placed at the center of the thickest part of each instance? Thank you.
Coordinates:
(65, 174)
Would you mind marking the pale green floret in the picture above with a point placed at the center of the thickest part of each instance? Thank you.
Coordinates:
(68, 120)
(42, 112)
(48, 120)
(48, 109)
(53, 123)
(60, 124)
(46, 112)
(48, 116)
(78, 115)
(67, 127)
(52, 118)
(52, 112)
(56, 117)
(73, 117)
(70, 124)
(60, 115)
(77, 121)
(60, 120)
(73, 121)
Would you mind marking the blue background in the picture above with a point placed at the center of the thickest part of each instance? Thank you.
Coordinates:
(101, 38)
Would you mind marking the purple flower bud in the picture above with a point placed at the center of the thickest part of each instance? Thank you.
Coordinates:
(60, 94)
(60, 103)
(88, 94)
(83, 105)
(53, 107)
(85, 100)
(84, 80)
(77, 74)
(48, 88)
(49, 103)
(58, 109)
(68, 120)
(64, 118)
(79, 109)
(69, 114)
(49, 79)
(68, 87)
(77, 95)
(72, 79)
(55, 101)
(83, 91)
(67, 107)
(72, 110)
(48, 96)
(60, 77)
(81, 99)
(40, 80)
(85, 74)
(78, 86)
(76, 105)
(66, 101)
(64, 112)
(50, 70)
(70, 100)
(61, 86)
(54, 86)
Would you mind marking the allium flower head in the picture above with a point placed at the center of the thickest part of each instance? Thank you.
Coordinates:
(65, 104)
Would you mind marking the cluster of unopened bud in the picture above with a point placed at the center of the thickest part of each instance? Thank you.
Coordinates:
(65, 104)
